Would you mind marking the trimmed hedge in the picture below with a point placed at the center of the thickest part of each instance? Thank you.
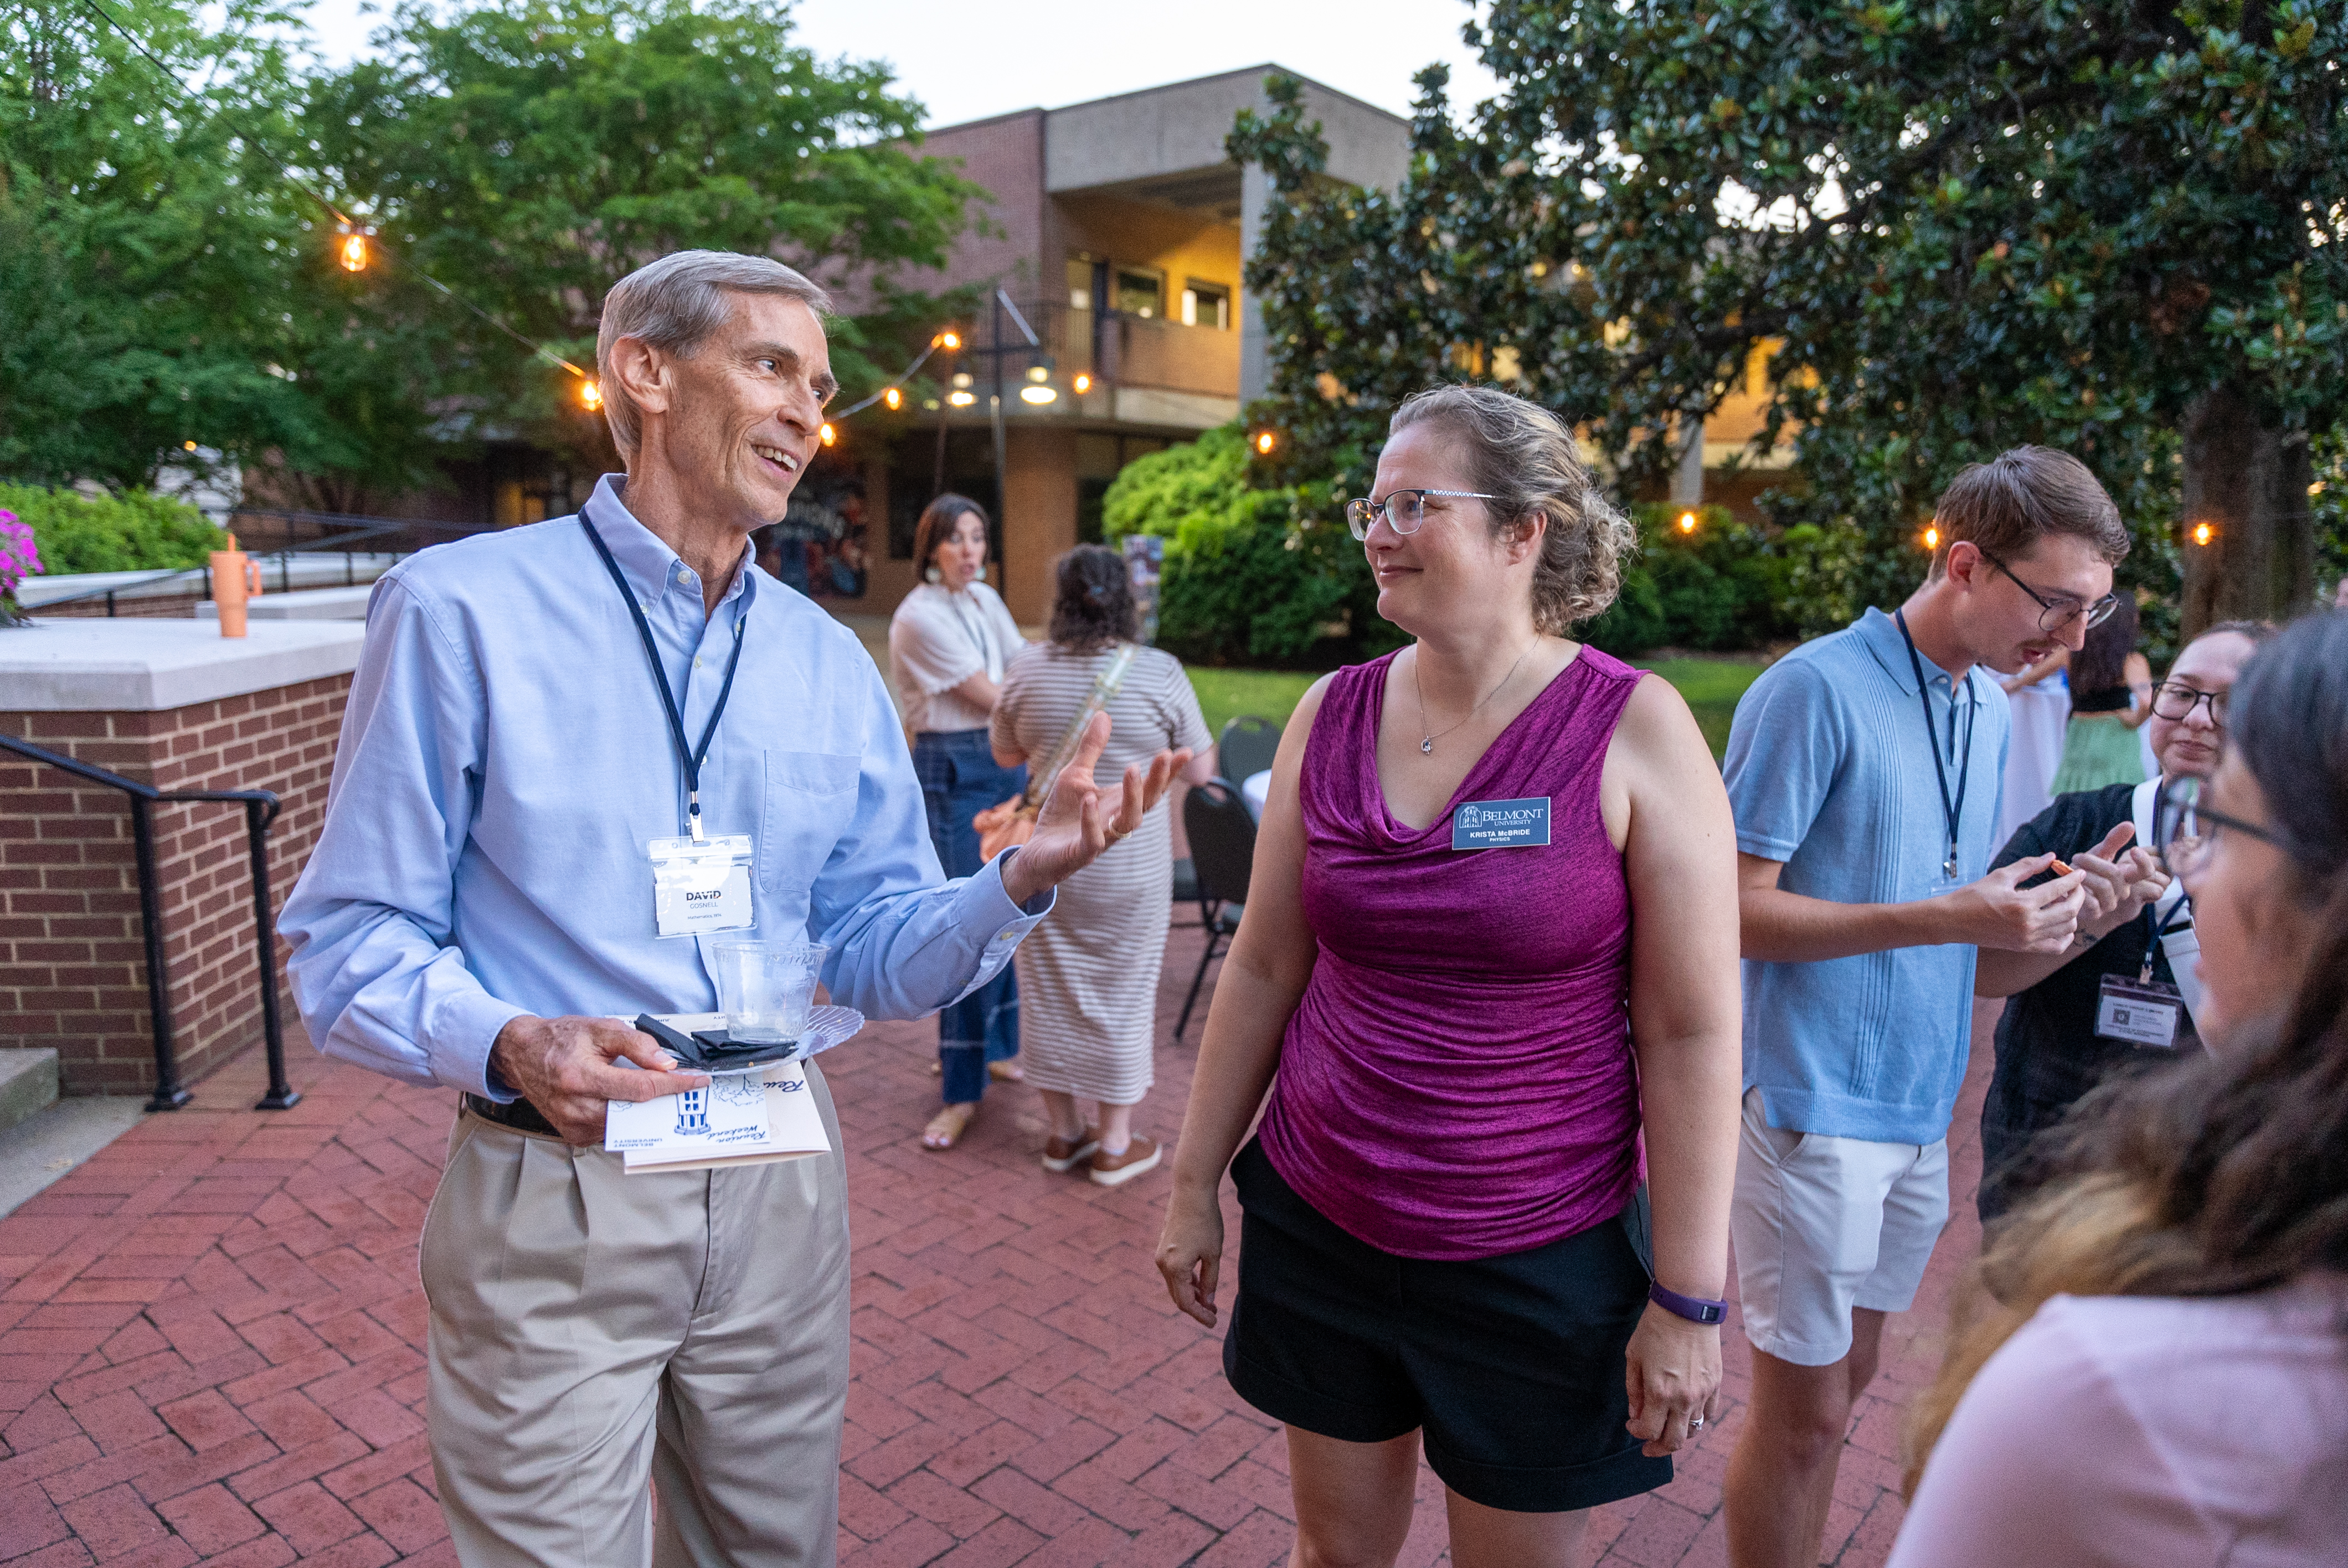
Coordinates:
(133, 531)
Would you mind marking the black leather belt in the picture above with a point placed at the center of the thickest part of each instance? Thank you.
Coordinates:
(520, 1116)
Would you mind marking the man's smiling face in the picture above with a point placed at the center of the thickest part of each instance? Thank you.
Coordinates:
(748, 408)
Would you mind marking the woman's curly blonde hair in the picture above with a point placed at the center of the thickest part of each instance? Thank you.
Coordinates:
(1522, 453)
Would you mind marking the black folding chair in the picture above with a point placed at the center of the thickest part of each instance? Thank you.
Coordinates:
(1247, 747)
(1222, 851)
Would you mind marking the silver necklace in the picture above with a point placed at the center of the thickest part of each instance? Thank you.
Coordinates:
(1427, 741)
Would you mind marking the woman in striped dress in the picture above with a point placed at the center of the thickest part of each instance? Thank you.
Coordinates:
(1088, 974)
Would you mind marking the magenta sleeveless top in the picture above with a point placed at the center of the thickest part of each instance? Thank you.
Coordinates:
(1458, 1081)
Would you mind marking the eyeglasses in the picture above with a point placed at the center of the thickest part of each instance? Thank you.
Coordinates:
(2186, 832)
(2175, 699)
(1404, 510)
(2056, 613)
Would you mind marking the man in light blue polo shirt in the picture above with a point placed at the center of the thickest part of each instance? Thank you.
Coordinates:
(1864, 768)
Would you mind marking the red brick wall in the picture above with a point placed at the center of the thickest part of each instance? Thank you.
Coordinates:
(72, 967)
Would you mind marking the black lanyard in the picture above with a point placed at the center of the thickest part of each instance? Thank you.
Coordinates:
(2154, 933)
(691, 758)
(1954, 810)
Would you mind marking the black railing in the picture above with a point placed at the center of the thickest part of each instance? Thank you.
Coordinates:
(260, 809)
(265, 533)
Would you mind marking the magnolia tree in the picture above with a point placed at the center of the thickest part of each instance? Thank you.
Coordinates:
(2121, 229)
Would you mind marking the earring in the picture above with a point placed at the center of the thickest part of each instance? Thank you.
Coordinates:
(933, 574)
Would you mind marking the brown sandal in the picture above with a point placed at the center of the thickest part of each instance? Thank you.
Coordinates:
(1003, 1072)
(946, 1127)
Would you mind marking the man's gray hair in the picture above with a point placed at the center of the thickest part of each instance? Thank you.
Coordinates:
(673, 304)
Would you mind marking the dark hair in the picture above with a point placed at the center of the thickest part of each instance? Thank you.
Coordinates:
(1093, 606)
(1525, 456)
(2102, 661)
(2019, 496)
(938, 520)
(2216, 1176)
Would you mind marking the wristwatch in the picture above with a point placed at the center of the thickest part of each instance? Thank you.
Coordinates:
(1694, 1309)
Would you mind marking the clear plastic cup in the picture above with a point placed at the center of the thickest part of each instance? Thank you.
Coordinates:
(766, 989)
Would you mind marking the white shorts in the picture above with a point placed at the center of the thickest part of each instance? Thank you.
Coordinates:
(1823, 1225)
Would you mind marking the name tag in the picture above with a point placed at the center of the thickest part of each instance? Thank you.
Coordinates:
(1501, 824)
(699, 890)
(2141, 1014)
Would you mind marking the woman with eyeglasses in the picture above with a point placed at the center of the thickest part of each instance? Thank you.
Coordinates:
(1490, 945)
(2150, 1363)
(2057, 1041)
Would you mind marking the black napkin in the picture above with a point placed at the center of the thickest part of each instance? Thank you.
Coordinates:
(713, 1049)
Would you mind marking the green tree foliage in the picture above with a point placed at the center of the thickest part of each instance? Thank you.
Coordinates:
(1240, 585)
(147, 252)
(133, 531)
(161, 283)
(2112, 227)
(1722, 585)
(537, 150)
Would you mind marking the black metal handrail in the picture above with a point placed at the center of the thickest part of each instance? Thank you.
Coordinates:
(260, 809)
(352, 530)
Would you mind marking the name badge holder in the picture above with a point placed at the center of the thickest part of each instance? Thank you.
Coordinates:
(702, 886)
(2143, 1013)
(1501, 824)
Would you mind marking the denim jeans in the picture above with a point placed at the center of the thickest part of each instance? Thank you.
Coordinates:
(959, 780)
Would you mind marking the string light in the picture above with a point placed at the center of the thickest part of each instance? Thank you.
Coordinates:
(1083, 384)
(829, 433)
(894, 398)
(1688, 522)
(1265, 441)
(1931, 537)
(949, 341)
(2203, 533)
(353, 253)
(591, 396)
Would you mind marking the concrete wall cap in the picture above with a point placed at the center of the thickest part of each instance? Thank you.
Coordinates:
(59, 665)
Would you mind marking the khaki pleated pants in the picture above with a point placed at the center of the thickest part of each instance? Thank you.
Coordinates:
(593, 1331)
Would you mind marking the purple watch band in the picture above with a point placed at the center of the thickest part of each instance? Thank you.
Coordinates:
(1694, 1309)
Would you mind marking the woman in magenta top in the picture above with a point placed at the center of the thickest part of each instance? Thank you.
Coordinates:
(1489, 951)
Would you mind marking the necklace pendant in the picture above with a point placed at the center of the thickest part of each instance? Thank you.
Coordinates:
(1427, 745)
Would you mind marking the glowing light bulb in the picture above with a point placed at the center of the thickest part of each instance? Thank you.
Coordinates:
(1083, 384)
(1265, 441)
(962, 399)
(354, 252)
(894, 398)
(1931, 537)
(1688, 522)
(187, 445)
(2203, 533)
(1038, 393)
(829, 433)
(591, 396)
(950, 341)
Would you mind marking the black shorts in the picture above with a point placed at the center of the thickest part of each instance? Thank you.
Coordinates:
(1513, 1366)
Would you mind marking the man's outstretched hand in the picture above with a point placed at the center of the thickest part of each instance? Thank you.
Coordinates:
(567, 1068)
(1076, 824)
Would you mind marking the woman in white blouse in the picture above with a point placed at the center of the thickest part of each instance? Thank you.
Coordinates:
(948, 645)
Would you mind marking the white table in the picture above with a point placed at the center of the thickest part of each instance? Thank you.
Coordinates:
(1255, 789)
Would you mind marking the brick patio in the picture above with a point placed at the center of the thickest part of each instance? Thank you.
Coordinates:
(210, 1349)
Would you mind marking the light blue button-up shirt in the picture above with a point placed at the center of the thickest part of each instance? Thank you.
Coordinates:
(1830, 772)
(504, 761)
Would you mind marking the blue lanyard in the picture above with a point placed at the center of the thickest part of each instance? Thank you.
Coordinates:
(689, 756)
(2154, 933)
(1954, 810)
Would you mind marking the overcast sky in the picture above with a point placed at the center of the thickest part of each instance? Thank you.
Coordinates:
(966, 60)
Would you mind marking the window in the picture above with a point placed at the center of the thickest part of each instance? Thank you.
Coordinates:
(1207, 305)
(1141, 293)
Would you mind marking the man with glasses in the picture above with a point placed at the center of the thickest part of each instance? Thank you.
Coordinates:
(2054, 1044)
(1865, 769)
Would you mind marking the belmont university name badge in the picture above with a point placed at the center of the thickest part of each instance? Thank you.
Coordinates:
(1501, 824)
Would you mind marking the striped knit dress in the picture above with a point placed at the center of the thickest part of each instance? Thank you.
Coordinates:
(1088, 974)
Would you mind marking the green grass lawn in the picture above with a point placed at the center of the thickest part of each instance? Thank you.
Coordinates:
(1711, 686)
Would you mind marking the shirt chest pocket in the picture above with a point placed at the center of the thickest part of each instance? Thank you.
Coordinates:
(810, 800)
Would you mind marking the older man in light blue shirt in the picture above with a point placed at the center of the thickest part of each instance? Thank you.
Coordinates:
(480, 905)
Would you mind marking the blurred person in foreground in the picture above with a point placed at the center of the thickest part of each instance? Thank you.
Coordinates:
(1489, 950)
(532, 709)
(1864, 769)
(1091, 971)
(2056, 1039)
(2149, 1364)
(949, 642)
